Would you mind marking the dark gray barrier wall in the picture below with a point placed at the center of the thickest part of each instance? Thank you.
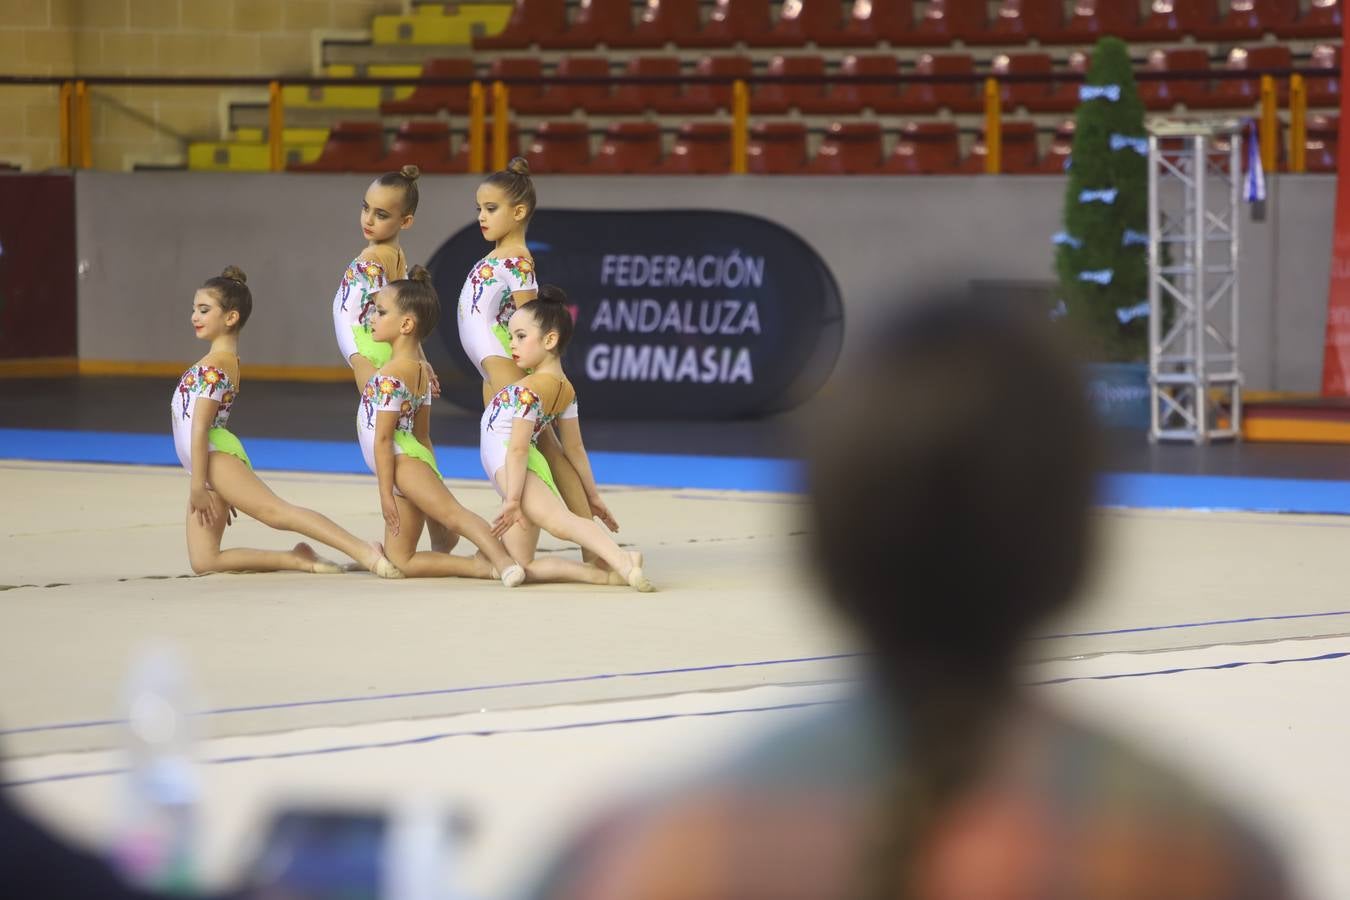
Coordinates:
(146, 240)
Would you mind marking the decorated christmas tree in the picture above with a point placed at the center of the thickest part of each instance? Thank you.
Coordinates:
(1102, 255)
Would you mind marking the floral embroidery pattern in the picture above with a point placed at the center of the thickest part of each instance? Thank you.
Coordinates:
(484, 275)
(364, 277)
(385, 392)
(520, 402)
(209, 382)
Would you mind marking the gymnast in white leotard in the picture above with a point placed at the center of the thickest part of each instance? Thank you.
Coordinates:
(410, 485)
(223, 480)
(497, 285)
(508, 431)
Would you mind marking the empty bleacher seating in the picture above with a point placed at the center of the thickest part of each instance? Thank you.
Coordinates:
(425, 144)
(351, 147)
(869, 22)
(777, 148)
(531, 20)
(1248, 20)
(731, 21)
(1019, 151)
(1164, 94)
(801, 22)
(926, 148)
(1324, 90)
(431, 98)
(1239, 92)
(560, 148)
(929, 97)
(1018, 21)
(1092, 19)
(881, 96)
(662, 22)
(1168, 20)
(1323, 19)
(1057, 155)
(701, 148)
(945, 21)
(776, 99)
(595, 22)
(1322, 143)
(629, 148)
(630, 99)
(849, 148)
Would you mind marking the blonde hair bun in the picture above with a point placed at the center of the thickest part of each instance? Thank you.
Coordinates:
(234, 273)
(519, 165)
(419, 273)
(410, 172)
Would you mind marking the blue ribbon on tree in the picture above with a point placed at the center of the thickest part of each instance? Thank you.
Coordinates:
(1132, 238)
(1105, 195)
(1099, 92)
(1125, 142)
(1100, 276)
(1127, 314)
(1060, 311)
(1063, 238)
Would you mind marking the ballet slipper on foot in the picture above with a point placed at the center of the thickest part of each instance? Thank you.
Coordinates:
(512, 577)
(382, 566)
(638, 582)
(327, 567)
(316, 564)
(618, 579)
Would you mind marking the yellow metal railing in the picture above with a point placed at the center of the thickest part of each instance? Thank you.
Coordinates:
(1298, 124)
(993, 127)
(501, 126)
(477, 127)
(740, 127)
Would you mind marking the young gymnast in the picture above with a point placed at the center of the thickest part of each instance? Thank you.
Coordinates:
(387, 210)
(510, 427)
(411, 488)
(496, 286)
(222, 477)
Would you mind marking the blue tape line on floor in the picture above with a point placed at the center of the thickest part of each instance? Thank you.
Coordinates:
(434, 692)
(1142, 628)
(432, 738)
(1179, 671)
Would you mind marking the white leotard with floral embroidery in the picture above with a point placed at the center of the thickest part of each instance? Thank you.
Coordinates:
(354, 302)
(384, 393)
(513, 402)
(485, 301)
(197, 382)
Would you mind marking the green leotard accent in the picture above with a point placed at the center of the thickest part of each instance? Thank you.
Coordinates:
(412, 447)
(503, 335)
(536, 463)
(377, 352)
(223, 440)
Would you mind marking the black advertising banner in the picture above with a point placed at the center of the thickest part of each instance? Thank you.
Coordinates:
(685, 314)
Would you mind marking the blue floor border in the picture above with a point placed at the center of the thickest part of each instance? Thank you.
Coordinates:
(1134, 490)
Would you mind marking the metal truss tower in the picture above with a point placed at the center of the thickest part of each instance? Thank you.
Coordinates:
(1194, 176)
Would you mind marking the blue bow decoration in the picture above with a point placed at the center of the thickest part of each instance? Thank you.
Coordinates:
(1099, 92)
(1107, 195)
(1123, 142)
(1064, 238)
(1059, 312)
(1100, 276)
(1127, 314)
(1133, 238)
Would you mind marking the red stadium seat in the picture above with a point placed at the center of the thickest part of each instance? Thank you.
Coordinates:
(926, 148)
(801, 22)
(700, 99)
(629, 148)
(777, 148)
(701, 148)
(1238, 92)
(1248, 20)
(351, 147)
(560, 148)
(1018, 21)
(775, 99)
(1323, 142)
(1020, 154)
(945, 21)
(1056, 158)
(629, 99)
(563, 98)
(966, 97)
(1063, 95)
(530, 20)
(526, 99)
(425, 144)
(1168, 20)
(731, 21)
(662, 22)
(1166, 94)
(870, 22)
(1034, 95)
(1325, 90)
(1091, 19)
(878, 97)
(432, 98)
(1323, 19)
(849, 148)
(596, 22)
(461, 158)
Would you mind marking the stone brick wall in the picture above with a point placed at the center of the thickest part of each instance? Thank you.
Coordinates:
(152, 37)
